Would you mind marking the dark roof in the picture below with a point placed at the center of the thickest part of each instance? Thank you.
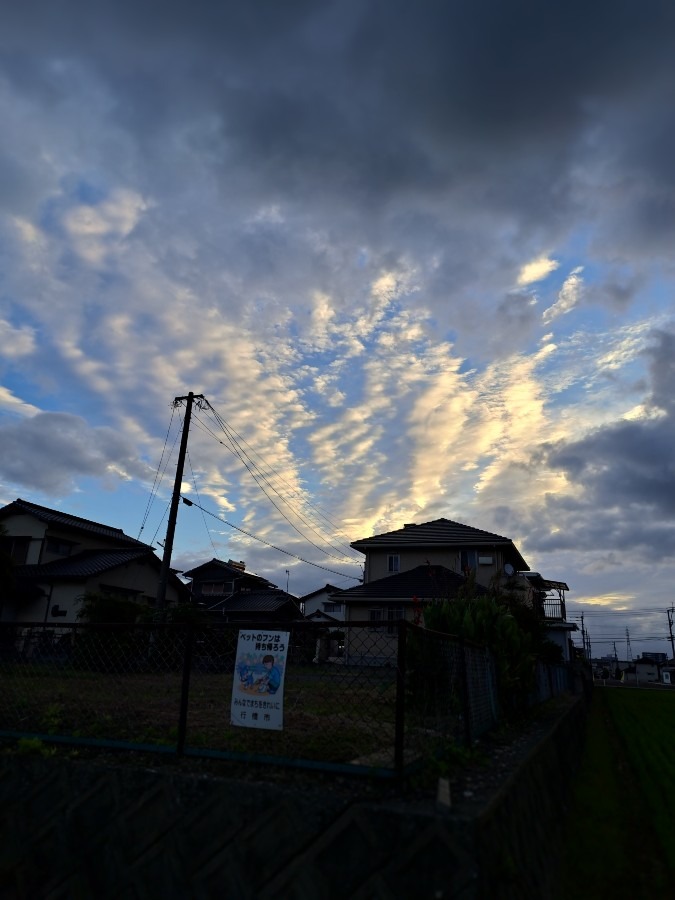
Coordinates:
(544, 584)
(423, 582)
(54, 517)
(330, 588)
(227, 568)
(439, 533)
(84, 565)
(256, 602)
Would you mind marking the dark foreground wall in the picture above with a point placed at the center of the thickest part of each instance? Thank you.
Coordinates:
(80, 830)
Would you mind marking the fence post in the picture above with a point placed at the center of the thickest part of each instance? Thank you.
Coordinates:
(399, 731)
(466, 703)
(185, 688)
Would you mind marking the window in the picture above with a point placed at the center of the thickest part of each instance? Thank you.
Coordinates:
(332, 607)
(375, 616)
(16, 548)
(394, 615)
(468, 561)
(393, 562)
(213, 587)
(58, 547)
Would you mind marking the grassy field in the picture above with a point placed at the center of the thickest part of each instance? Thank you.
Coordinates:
(620, 836)
(330, 714)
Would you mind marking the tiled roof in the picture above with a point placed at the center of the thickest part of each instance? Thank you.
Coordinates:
(329, 588)
(257, 602)
(439, 533)
(83, 565)
(198, 572)
(424, 582)
(54, 517)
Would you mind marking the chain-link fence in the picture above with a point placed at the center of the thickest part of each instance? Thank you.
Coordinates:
(355, 696)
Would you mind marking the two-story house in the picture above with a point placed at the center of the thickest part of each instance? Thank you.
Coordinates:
(58, 558)
(412, 566)
(320, 604)
(227, 590)
(460, 548)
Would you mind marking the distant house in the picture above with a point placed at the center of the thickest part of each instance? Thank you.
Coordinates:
(264, 605)
(406, 567)
(321, 604)
(384, 602)
(232, 594)
(215, 581)
(548, 597)
(58, 558)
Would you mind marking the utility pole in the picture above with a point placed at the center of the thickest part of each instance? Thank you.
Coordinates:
(670, 628)
(175, 497)
(583, 634)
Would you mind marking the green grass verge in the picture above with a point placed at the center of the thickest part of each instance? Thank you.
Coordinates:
(612, 843)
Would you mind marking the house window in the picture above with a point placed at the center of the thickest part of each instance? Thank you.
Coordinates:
(393, 563)
(58, 548)
(16, 548)
(213, 587)
(468, 561)
(375, 617)
(394, 615)
(332, 607)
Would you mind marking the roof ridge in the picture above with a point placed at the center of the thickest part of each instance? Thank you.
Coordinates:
(47, 512)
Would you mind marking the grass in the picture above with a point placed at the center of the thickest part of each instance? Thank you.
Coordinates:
(619, 832)
(330, 714)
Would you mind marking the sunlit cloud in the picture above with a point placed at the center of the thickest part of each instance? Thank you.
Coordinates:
(568, 296)
(537, 270)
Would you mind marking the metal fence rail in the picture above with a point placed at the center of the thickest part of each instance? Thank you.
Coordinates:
(357, 697)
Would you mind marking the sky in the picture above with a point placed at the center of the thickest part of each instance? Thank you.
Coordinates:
(416, 257)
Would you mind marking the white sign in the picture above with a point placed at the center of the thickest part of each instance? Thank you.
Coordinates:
(258, 684)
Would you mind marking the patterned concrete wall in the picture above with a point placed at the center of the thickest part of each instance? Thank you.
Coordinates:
(75, 830)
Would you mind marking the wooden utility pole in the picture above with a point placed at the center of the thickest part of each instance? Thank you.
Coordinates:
(670, 628)
(175, 498)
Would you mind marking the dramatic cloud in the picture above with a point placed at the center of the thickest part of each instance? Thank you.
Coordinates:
(412, 256)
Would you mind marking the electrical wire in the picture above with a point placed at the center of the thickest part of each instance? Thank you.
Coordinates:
(194, 481)
(189, 502)
(259, 477)
(158, 477)
(236, 441)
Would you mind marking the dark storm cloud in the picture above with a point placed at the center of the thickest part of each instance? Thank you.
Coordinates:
(50, 451)
(625, 475)
(365, 97)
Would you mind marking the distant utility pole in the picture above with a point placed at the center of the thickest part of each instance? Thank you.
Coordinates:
(175, 497)
(583, 634)
(670, 628)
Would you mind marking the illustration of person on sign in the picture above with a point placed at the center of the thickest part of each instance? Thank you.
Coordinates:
(269, 682)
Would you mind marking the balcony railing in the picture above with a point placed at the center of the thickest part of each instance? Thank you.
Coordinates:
(554, 608)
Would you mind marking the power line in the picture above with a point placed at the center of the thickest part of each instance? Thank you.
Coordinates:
(194, 481)
(158, 476)
(263, 477)
(267, 543)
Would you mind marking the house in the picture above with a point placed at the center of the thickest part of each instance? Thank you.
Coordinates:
(437, 557)
(266, 605)
(320, 604)
(548, 597)
(59, 557)
(229, 592)
(459, 548)
(214, 581)
(384, 602)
